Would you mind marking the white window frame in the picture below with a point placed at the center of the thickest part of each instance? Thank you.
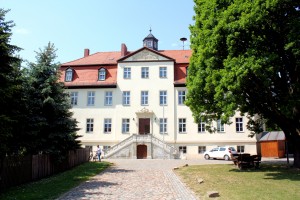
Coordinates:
(126, 98)
(91, 98)
(181, 97)
(163, 124)
(220, 126)
(239, 124)
(145, 72)
(127, 73)
(182, 125)
(201, 149)
(108, 98)
(240, 148)
(182, 149)
(102, 74)
(163, 97)
(89, 125)
(201, 127)
(125, 125)
(74, 98)
(69, 75)
(105, 148)
(144, 98)
(107, 125)
(163, 72)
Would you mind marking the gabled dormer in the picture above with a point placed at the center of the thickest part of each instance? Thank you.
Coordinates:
(151, 42)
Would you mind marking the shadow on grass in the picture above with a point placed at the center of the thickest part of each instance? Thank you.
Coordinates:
(273, 171)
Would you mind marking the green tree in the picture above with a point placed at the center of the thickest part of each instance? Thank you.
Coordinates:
(246, 58)
(52, 130)
(9, 85)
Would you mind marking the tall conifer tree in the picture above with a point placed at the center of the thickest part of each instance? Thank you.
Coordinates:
(52, 128)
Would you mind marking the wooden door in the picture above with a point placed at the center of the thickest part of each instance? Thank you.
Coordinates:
(141, 152)
(144, 126)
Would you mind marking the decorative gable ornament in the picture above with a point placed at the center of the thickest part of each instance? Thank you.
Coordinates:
(145, 55)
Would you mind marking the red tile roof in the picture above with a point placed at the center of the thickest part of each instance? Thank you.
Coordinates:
(86, 68)
(107, 58)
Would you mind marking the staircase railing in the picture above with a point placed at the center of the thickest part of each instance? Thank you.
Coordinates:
(168, 149)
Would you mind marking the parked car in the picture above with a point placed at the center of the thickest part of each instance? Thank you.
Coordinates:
(220, 153)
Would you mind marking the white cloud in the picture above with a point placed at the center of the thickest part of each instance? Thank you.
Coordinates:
(22, 31)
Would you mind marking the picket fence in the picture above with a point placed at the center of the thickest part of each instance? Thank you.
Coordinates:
(17, 170)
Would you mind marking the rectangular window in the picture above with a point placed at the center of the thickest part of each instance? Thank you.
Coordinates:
(74, 98)
(91, 98)
(240, 149)
(144, 98)
(127, 73)
(201, 149)
(162, 97)
(239, 124)
(220, 126)
(182, 149)
(162, 72)
(126, 98)
(181, 97)
(145, 72)
(201, 127)
(108, 98)
(125, 125)
(107, 125)
(182, 125)
(105, 148)
(163, 125)
(89, 125)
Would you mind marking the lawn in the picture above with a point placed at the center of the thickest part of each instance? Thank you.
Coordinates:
(54, 186)
(269, 182)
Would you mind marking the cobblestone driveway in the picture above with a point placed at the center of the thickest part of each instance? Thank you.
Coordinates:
(135, 180)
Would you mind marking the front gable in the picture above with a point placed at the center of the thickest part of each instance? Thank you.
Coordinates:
(145, 54)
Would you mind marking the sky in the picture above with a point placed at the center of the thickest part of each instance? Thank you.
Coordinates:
(98, 25)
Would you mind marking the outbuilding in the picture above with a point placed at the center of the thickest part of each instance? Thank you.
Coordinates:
(272, 144)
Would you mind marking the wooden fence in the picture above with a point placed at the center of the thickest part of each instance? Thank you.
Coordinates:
(17, 170)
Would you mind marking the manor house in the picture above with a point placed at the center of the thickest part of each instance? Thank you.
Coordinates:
(131, 103)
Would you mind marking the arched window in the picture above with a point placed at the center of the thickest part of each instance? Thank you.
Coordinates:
(102, 74)
(69, 75)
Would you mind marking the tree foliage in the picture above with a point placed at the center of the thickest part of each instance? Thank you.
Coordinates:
(34, 115)
(9, 85)
(52, 129)
(246, 57)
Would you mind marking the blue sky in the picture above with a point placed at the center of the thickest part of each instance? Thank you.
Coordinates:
(100, 25)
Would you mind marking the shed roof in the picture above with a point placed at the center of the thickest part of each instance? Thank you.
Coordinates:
(272, 136)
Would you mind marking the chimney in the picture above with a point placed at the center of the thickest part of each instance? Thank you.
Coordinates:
(123, 50)
(86, 52)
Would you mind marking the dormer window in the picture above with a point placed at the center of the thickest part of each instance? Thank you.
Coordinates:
(102, 74)
(69, 75)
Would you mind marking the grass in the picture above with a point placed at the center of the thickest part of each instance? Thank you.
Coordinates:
(54, 186)
(269, 182)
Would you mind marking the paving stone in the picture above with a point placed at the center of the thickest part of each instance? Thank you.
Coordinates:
(134, 180)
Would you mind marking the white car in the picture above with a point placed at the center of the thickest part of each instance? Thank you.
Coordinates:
(220, 153)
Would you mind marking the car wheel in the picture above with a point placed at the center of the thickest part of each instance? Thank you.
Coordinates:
(206, 156)
(226, 157)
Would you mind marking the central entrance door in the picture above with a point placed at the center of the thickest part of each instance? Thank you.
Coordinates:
(144, 126)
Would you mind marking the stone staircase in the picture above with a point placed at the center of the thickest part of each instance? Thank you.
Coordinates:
(156, 148)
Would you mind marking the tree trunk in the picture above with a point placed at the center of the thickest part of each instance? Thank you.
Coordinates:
(296, 144)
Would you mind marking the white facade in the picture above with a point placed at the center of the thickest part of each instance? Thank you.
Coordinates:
(184, 135)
